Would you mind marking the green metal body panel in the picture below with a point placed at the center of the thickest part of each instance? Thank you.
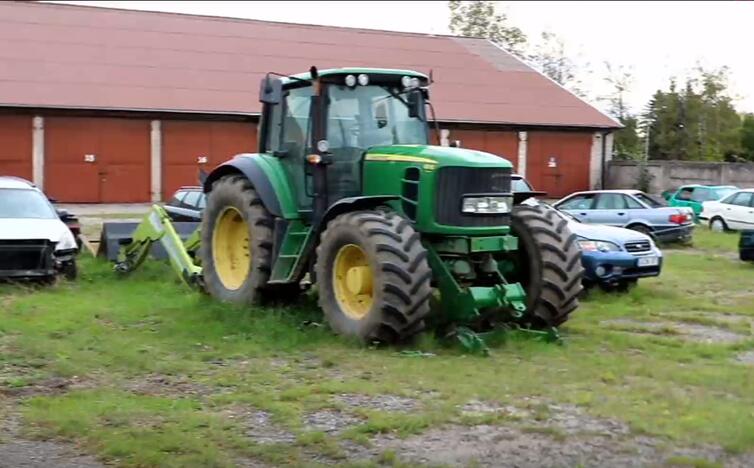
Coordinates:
(463, 304)
(385, 167)
(286, 191)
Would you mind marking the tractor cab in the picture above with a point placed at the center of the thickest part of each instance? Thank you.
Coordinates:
(320, 124)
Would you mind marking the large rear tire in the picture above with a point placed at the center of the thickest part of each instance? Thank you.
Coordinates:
(549, 263)
(236, 242)
(373, 277)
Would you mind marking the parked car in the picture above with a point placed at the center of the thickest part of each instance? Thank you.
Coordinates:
(746, 246)
(187, 204)
(34, 242)
(734, 212)
(631, 209)
(614, 258)
(692, 196)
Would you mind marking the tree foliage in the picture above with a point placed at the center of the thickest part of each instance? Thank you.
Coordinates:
(698, 122)
(479, 19)
(627, 144)
(747, 137)
(551, 56)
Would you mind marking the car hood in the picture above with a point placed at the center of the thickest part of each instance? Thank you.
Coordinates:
(53, 230)
(612, 234)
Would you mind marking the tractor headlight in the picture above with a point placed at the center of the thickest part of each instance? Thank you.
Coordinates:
(363, 79)
(487, 205)
(599, 246)
(350, 81)
(406, 81)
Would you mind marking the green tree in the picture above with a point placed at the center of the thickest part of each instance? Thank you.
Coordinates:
(551, 56)
(627, 143)
(479, 19)
(698, 123)
(747, 137)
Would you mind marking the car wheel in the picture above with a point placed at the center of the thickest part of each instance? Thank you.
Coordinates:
(642, 229)
(718, 225)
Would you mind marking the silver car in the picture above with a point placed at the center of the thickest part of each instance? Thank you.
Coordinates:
(630, 209)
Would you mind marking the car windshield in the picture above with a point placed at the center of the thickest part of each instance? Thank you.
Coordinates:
(724, 192)
(23, 203)
(648, 200)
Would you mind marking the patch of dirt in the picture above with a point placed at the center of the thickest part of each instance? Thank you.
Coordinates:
(684, 331)
(50, 386)
(35, 454)
(330, 421)
(498, 446)
(166, 385)
(746, 358)
(377, 402)
(258, 426)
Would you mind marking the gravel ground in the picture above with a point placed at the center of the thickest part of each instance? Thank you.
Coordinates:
(684, 331)
(377, 402)
(746, 358)
(330, 421)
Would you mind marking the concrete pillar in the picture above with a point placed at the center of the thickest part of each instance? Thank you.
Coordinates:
(38, 152)
(595, 161)
(523, 139)
(444, 137)
(156, 160)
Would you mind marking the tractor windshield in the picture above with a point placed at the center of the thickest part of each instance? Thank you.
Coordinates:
(365, 116)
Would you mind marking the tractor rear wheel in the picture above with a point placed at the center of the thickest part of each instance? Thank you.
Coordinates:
(236, 242)
(373, 277)
(549, 260)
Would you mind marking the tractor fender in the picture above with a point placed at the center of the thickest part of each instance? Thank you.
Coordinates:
(262, 171)
(345, 205)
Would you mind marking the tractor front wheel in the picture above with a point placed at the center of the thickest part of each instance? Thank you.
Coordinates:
(549, 264)
(236, 242)
(373, 277)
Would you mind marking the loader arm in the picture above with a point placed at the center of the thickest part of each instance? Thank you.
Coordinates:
(157, 227)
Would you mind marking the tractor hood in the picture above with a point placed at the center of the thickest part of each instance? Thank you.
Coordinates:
(439, 155)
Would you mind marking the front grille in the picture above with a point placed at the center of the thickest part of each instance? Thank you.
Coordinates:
(25, 255)
(455, 182)
(638, 247)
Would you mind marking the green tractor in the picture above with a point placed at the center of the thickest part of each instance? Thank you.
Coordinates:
(347, 190)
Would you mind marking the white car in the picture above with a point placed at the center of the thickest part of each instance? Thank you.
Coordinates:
(734, 212)
(34, 242)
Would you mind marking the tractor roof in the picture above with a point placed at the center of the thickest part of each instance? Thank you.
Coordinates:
(356, 71)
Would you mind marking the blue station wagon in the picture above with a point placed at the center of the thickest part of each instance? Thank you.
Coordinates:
(630, 209)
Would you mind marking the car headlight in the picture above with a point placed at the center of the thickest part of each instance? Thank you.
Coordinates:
(601, 246)
(487, 205)
(66, 242)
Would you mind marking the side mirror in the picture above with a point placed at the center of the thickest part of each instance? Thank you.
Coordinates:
(271, 90)
(414, 102)
(63, 214)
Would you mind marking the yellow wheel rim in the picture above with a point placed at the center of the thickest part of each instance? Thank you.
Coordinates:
(352, 279)
(230, 248)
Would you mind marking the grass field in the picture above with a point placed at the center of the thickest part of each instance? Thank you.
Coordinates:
(140, 372)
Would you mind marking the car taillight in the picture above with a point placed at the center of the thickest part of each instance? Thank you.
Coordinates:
(679, 218)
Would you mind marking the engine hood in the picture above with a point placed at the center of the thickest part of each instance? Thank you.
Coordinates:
(436, 155)
(53, 230)
(612, 234)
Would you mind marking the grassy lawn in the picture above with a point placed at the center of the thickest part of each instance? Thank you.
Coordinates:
(140, 372)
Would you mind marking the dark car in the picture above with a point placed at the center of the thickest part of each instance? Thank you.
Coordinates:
(746, 246)
(187, 204)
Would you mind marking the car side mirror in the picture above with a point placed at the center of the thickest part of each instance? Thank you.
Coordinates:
(271, 90)
(63, 214)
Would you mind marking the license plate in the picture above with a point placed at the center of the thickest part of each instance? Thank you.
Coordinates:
(648, 261)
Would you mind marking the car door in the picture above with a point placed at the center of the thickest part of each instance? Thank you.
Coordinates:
(610, 209)
(578, 206)
(682, 197)
(698, 196)
(741, 212)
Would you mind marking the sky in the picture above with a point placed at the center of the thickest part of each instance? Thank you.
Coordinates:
(654, 40)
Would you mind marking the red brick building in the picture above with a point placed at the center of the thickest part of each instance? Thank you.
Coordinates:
(105, 105)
